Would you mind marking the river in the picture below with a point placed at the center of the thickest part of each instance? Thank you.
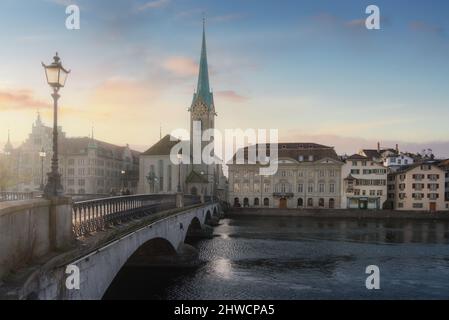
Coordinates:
(304, 258)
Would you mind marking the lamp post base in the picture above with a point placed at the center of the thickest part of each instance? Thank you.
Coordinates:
(179, 200)
(53, 188)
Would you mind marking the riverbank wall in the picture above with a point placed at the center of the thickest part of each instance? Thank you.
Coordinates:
(338, 213)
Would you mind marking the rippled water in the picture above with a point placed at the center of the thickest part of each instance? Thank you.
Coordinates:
(304, 258)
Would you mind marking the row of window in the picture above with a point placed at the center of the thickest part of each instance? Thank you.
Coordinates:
(399, 161)
(370, 182)
(97, 162)
(358, 192)
(369, 171)
(362, 163)
(285, 187)
(93, 172)
(82, 182)
(420, 196)
(421, 186)
(246, 174)
(419, 177)
(300, 202)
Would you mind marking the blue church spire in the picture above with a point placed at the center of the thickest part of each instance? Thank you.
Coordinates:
(203, 89)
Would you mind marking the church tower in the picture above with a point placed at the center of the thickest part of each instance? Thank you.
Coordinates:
(202, 110)
(8, 146)
(202, 177)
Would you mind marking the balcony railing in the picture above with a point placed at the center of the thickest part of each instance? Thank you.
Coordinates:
(99, 214)
(15, 196)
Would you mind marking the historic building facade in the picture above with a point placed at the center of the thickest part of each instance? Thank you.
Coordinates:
(88, 166)
(159, 174)
(445, 166)
(308, 176)
(420, 187)
(364, 183)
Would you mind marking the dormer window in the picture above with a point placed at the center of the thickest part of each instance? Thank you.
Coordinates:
(311, 158)
(301, 158)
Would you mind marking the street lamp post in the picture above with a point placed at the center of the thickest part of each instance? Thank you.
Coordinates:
(56, 78)
(42, 155)
(123, 172)
(215, 183)
(179, 172)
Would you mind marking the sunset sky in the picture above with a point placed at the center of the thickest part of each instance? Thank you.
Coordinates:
(309, 68)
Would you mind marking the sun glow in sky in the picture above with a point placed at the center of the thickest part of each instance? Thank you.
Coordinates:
(309, 68)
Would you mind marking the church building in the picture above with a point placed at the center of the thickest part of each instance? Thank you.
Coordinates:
(158, 173)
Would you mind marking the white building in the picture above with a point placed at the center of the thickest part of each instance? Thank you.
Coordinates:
(396, 161)
(308, 176)
(364, 183)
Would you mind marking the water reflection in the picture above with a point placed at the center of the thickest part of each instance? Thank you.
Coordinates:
(306, 258)
(222, 267)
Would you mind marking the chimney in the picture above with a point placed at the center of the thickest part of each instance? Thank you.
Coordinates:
(378, 147)
(397, 148)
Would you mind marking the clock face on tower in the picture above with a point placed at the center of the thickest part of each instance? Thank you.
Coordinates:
(199, 111)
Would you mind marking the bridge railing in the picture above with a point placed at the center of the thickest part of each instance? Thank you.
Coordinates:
(98, 214)
(15, 196)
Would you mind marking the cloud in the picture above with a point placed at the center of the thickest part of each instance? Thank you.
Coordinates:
(153, 5)
(361, 23)
(356, 23)
(119, 93)
(420, 26)
(231, 96)
(20, 99)
(181, 66)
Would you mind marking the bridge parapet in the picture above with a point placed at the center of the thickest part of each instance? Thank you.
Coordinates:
(101, 256)
(16, 196)
(30, 229)
(97, 215)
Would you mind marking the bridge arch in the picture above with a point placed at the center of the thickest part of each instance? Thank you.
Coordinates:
(208, 217)
(155, 247)
(195, 224)
(154, 252)
(162, 238)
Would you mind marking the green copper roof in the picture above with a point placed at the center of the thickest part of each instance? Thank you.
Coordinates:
(203, 90)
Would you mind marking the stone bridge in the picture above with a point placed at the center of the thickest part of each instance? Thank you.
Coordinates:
(39, 261)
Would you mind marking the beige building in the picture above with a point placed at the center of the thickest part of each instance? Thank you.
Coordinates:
(88, 166)
(445, 166)
(308, 176)
(364, 183)
(420, 187)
